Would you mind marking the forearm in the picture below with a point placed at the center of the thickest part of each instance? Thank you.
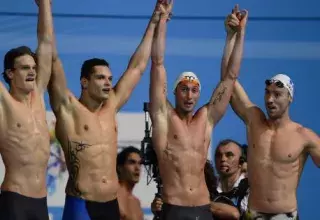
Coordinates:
(45, 22)
(224, 211)
(228, 48)
(140, 57)
(159, 43)
(158, 87)
(234, 63)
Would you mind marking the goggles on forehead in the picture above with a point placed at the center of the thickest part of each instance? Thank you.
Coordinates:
(278, 83)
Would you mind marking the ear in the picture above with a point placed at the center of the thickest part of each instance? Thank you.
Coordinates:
(290, 98)
(9, 74)
(84, 83)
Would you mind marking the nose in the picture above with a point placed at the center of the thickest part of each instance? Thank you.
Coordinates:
(223, 158)
(137, 167)
(270, 99)
(107, 82)
(189, 94)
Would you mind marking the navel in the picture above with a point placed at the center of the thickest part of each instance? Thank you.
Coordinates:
(86, 127)
(18, 125)
(289, 155)
(175, 136)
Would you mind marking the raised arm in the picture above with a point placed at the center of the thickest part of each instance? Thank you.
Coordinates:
(242, 105)
(313, 145)
(220, 98)
(137, 65)
(44, 50)
(158, 78)
(57, 88)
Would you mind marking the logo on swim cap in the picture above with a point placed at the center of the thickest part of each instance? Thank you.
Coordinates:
(187, 77)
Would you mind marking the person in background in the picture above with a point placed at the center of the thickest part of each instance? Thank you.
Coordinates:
(129, 169)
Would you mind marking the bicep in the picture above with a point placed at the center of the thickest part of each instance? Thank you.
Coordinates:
(44, 61)
(57, 88)
(160, 126)
(125, 85)
(314, 146)
(242, 105)
(158, 89)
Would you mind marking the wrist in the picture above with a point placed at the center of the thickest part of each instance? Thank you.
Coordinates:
(164, 16)
(241, 32)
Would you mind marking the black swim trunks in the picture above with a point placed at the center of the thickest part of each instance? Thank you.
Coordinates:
(174, 212)
(14, 206)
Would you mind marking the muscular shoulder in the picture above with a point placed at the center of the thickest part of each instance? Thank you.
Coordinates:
(137, 201)
(306, 133)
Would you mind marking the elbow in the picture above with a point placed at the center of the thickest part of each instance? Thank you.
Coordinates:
(157, 61)
(235, 215)
(45, 39)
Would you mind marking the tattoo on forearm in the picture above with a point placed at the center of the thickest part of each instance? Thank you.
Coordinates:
(165, 88)
(218, 96)
(73, 149)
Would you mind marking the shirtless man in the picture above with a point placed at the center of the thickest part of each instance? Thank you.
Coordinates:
(87, 130)
(128, 168)
(24, 134)
(219, 210)
(181, 138)
(278, 148)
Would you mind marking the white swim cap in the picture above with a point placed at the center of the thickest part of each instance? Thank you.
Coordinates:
(187, 77)
(287, 82)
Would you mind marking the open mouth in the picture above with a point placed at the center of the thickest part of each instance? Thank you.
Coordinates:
(272, 108)
(106, 90)
(188, 104)
(30, 79)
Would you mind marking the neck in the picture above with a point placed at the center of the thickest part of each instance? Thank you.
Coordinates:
(184, 116)
(90, 103)
(21, 96)
(227, 182)
(279, 122)
(128, 187)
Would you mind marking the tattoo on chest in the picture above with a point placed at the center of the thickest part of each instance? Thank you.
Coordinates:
(218, 96)
(74, 163)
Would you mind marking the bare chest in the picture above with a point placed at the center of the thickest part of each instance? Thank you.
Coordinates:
(284, 147)
(130, 209)
(95, 128)
(193, 136)
(22, 122)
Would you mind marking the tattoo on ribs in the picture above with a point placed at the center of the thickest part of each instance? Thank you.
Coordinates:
(73, 149)
(218, 97)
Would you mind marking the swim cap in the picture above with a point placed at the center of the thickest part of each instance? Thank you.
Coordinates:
(187, 77)
(287, 82)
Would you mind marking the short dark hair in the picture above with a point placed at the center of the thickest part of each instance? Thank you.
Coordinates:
(211, 180)
(10, 57)
(124, 154)
(88, 65)
(243, 156)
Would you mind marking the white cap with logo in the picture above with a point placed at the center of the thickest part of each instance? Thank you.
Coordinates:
(188, 77)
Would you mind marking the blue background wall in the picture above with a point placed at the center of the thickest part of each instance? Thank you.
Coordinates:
(282, 36)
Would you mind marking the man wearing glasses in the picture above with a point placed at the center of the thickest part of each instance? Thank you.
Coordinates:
(278, 149)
